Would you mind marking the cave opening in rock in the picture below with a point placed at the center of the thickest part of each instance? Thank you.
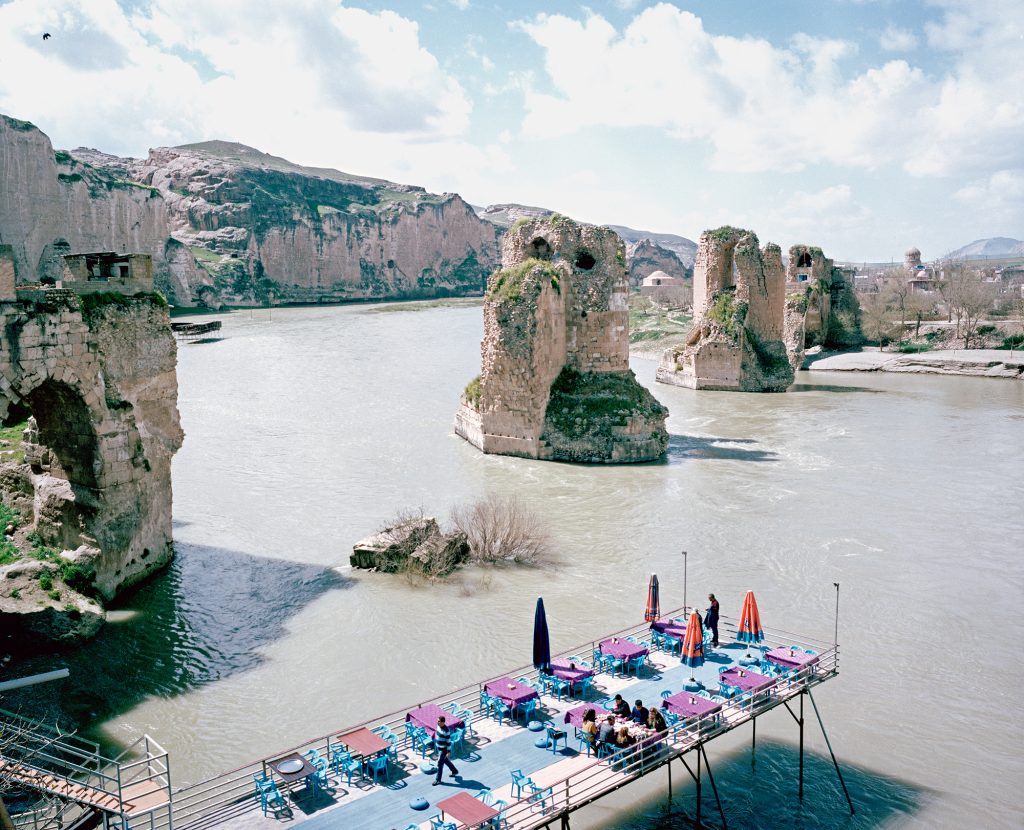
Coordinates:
(66, 429)
(804, 260)
(540, 248)
(585, 260)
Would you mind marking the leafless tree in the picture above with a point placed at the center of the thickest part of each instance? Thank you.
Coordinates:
(969, 297)
(501, 529)
(21, 742)
(876, 316)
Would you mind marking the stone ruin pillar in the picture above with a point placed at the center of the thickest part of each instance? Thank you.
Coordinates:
(555, 381)
(739, 305)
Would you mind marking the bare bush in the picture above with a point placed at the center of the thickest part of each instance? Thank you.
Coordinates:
(501, 529)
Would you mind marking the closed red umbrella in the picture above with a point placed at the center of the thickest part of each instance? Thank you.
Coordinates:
(693, 644)
(749, 629)
(653, 605)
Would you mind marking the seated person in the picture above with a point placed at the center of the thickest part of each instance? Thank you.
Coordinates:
(639, 713)
(606, 734)
(589, 727)
(656, 720)
(623, 738)
(621, 708)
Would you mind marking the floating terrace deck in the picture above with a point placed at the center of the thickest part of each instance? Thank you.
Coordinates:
(568, 780)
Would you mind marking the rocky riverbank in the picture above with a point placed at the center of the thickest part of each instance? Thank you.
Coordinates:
(990, 363)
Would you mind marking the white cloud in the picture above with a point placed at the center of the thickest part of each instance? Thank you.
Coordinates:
(1002, 189)
(763, 106)
(312, 79)
(461, 5)
(894, 39)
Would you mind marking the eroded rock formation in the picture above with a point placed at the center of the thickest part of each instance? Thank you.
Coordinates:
(738, 303)
(97, 374)
(227, 223)
(555, 380)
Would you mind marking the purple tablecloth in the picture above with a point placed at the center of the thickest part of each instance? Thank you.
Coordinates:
(426, 716)
(793, 659)
(670, 627)
(575, 716)
(622, 649)
(746, 680)
(511, 691)
(689, 705)
(575, 675)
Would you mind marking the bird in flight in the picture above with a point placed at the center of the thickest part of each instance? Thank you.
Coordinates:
(46, 35)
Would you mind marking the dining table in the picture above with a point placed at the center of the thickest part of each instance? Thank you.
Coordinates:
(364, 743)
(573, 674)
(674, 628)
(426, 716)
(689, 705)
(621, 648)
(575, 715)
(746, 680)
(291, 768)
(511, 692)
(466, 809)
(791, 658)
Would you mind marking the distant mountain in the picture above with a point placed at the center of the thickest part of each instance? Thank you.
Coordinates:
(685, 249)
(505, 214)
(996, 246)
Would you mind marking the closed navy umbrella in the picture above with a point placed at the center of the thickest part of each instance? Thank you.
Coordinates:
(541, 640)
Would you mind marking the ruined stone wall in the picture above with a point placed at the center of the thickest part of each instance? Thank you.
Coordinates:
(101, 383)
(739, 308)
(556, 325)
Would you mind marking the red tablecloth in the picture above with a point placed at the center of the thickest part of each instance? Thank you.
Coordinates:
(575, 675)
(622, 649)
(689, 705)
(511, 691)
(463, 807)
(791, 658)
(746, 680)
(426, 716)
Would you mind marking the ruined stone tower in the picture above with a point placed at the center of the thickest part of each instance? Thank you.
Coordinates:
(555, 381)
(738, 307)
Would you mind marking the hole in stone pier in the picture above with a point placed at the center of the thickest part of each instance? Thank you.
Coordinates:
(804, 260)
(391, 263)
(584, 260)
(66, 428)
(540, 248)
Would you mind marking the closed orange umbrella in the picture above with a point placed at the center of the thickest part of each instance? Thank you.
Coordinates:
(693, 644)
(749, 629)
(653, 610)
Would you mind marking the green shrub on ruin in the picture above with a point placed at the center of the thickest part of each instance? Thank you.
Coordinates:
(8, 552)
(45, 580)
(728, 313)
(508, 283)
(472, 392)
(582, 403)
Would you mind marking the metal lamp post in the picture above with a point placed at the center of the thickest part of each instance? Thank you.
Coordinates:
(684, 583)
(835, 641)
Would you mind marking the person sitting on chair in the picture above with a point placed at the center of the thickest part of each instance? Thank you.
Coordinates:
(606, 734)
(656, 720)
(639, 713)
(621, 708)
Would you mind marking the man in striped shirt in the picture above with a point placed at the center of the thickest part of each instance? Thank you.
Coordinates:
(443, 740)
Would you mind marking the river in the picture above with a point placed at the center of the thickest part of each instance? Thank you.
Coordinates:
(308, 428)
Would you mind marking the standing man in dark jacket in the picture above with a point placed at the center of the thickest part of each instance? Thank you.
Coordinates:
(711, 619)
(443, 742)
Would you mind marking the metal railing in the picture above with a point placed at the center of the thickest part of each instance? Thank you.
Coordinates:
(219, 797)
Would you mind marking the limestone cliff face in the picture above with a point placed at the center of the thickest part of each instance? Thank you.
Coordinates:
(268, 229)
(52, 204)
(226, 223)
(739, 310)
(555, 380)
(645, 257)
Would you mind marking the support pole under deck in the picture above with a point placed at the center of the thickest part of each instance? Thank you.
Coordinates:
(828, 743)
(668, 766)
(801, 722)
(714, 789)
(697, 822)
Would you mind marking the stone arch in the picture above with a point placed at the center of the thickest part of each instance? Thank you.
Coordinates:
(540, 248)
(804, 260)
(66, 429)
(584, 260)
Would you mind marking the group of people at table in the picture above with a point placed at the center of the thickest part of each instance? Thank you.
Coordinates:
(619, 728)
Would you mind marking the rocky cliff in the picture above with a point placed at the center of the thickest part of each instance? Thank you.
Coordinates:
(227, 223)
(645, 257)
(555, 381)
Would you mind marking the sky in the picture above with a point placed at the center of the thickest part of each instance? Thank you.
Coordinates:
(861, 126)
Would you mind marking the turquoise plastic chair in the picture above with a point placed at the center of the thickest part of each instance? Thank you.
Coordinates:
(500, 709)
(457, 742)
(379, 766)
(466, 716)
(554, 736)
(520, 782)
(527, 708)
